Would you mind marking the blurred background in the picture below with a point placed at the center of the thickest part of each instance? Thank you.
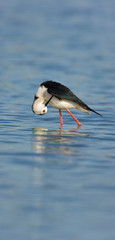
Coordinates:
(57, 184)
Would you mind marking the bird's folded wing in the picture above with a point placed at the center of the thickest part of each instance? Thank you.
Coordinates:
(62, 92)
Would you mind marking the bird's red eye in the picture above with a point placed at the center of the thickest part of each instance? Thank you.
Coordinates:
(44, 111)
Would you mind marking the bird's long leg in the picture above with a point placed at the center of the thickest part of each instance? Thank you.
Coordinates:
(61, 119)
(79, 124)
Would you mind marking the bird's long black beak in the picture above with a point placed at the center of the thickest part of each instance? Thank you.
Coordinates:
(48, 101)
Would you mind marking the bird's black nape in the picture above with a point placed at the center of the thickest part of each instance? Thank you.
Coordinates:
(48, 101)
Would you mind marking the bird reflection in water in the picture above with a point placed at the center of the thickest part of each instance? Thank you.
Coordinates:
(58, 141)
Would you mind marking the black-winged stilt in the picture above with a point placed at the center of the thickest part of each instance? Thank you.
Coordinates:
(59, 97)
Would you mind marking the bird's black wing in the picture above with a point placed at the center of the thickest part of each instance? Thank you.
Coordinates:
(62, 92)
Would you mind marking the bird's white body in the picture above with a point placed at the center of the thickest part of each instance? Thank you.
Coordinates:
(43, 95)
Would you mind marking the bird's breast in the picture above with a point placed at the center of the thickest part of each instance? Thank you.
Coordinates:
(60, 104)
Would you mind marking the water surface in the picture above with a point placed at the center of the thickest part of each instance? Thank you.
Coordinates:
(57, 183)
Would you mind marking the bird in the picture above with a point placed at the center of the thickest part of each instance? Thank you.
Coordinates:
(59, 97)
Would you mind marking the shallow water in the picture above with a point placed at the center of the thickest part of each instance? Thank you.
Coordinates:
(57, 183)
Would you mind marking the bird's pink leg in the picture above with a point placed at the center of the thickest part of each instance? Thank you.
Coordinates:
(79, 124)
(61, 119)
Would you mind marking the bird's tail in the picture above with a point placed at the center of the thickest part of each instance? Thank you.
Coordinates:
(84, 107)
(90, 109)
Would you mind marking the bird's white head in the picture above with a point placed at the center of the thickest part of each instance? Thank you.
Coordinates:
(38, 106)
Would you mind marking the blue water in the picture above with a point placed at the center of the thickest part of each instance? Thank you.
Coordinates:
(57, 183)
